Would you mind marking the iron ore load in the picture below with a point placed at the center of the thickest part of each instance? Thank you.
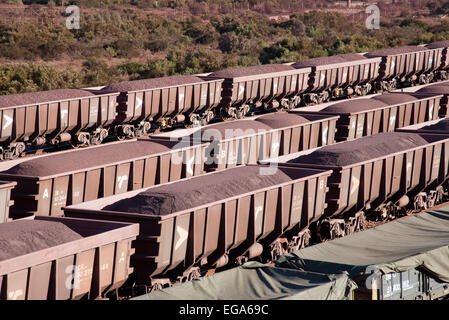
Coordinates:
(52, 117)
(212, 220)
(40, 256)
(267, 86)
(377, 175)
(45, 184)
(416, 269)
(334, 76)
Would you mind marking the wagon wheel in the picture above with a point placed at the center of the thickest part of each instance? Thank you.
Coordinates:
(19, 149)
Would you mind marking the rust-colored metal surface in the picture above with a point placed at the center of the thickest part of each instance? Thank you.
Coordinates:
(248, 141)
(167, 97)
(46, 184)
(28, 116)
(444, 45)
(63, 258)
(407, 61)
(382, 113)
(340, 71)
(5, 199)
(371, 170)
(260, 83)
(203, 219)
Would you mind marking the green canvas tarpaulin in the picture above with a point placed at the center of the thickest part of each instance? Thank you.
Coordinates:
(419, 241)
(255, 281)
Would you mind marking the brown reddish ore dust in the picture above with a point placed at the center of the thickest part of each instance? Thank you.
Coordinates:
(321, 61)
(18, 238)
(199, 191)
(443, 125)
(33, 98)
(251, 71)
(437, 89)
(153, 83)
(232, 129)
(351, 106)
(394, 51)
(438, 44)
(394, 98)
(282, 120)
(88, 158)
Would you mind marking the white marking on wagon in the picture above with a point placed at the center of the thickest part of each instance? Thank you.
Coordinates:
(183, 234)
(121, 180)
(7, 121)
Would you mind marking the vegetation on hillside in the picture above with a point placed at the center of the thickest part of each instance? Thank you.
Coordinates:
(117, 45)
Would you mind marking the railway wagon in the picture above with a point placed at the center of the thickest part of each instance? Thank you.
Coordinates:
(382, 113)
(377, 173)
(248, 141)
(46, 184)
(164, 102)
(214, 219)
(48, 258)
(266, 86)
(442, 73)
(406, 64)
(406, 259)
(343, 74)
(437, 89)
(65, 115)
(5, 199)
